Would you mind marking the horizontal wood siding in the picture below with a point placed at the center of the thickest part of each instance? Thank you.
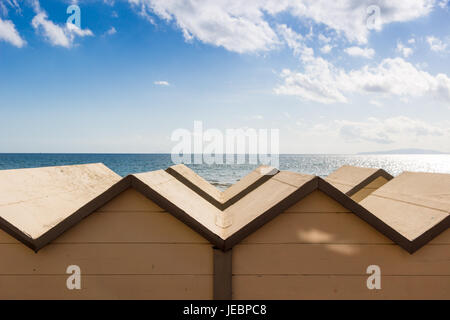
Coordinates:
(318, 250)
(107, 287)
(339, 287)
(129, 249)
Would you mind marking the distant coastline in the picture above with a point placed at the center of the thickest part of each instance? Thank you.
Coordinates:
(404, 151)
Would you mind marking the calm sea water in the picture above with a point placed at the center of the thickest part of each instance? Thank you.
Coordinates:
(224, 175)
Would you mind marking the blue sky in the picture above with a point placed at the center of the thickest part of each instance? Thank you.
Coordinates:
(327, 76)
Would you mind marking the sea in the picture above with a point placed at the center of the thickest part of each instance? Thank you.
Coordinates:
(223, 175)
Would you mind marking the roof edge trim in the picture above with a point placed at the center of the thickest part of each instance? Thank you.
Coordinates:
(270, 214)
(219, 205)
(375, 222)
(365, 182)
(175, 211)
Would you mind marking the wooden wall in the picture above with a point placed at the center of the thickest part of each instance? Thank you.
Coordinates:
(371, 187)
(129, 249)
(319, 250)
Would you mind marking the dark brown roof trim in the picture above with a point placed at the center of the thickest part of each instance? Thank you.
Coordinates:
(175, 211)
(264, 218)
(365, 182)
(378, 224)
(219, 205)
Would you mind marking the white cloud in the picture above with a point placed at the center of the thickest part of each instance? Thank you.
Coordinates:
(324, 39)
(4, 5)
(350, 17)
(294, 40)
(376, 103)
(360, 52)
(387, 131)
(161, 83)
(436, 44)
(244, 25)
(405, 51)
(322, 82)
(111, 31)
(9, 33)
(237, 26)
(443, 3)
(326, 48)
(57, 35)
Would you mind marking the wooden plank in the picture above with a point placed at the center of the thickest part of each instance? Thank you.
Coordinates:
(131, 227)
(348, 259)
(125, 227)
(317, 228)
(339, 287)
(131, 200)
(317, 201)
(324, 228)
(184, 287)
(108, 259)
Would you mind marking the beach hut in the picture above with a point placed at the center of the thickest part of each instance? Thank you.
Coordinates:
(326, 246)
(158, 235)
(358, 182)
(298, 237)
(127, 247)
(146, 236)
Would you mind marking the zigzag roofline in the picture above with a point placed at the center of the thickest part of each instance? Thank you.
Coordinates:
(225, 243)
(222, 199)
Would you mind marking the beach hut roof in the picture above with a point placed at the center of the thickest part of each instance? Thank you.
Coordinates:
(226, 227)
(415, 204)
(222, 199)
(351, 179)
(47, 201)
(33, 202)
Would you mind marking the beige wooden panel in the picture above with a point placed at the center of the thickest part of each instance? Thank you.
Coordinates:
(6, 238)
(108, 259)
(108, 287)
(119, 226)
(130, 200)
(317, 201)
(349, 259)
(340, 287)
(126, 225)
(317, 228)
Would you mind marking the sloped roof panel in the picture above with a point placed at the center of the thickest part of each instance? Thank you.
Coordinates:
(36, 200)
(412, 203)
